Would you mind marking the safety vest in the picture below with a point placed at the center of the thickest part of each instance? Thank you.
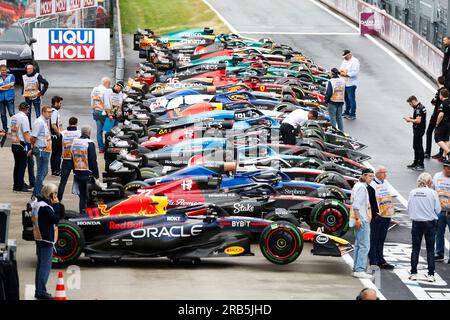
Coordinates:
(31, 86)
(80, 154)
(116, 101)
(8, 94)
(442, 186)
(67, 139)
(97, 98)
(384, 199)
(338, 86)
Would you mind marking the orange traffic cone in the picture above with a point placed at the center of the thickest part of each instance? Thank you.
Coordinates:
(60, 293)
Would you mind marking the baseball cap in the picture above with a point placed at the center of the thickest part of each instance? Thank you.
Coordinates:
(23, 105)
(120, 84)
(334, 71)
(366, 170)
(446, 163)
(346, 52)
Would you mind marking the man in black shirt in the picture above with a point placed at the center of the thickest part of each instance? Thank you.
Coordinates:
(446, 61)
(419, 120)
(436, 102)
(442, 131)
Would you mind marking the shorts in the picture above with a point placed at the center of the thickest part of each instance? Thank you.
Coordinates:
(441, 133)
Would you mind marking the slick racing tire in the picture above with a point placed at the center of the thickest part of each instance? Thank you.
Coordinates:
(281, 243)
(309, 163)
(133, 186)
(70, 243)
(331, 192)
(313, 143)
(148, 173)
(313, 133)
(334, 179)
(332, 215)
(304, 76)
(331, 167)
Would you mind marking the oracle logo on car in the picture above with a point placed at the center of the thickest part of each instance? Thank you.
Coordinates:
(70, 44)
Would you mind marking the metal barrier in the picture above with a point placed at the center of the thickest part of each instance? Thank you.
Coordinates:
(118, 43)
(421, 52)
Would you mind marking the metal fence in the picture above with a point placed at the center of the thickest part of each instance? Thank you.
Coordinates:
(429, 18)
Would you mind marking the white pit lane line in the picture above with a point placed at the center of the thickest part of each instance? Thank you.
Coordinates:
(301, 33)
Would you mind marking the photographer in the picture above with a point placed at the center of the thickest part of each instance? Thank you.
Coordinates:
(46, 213)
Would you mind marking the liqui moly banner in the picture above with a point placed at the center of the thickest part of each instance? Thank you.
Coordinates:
(423, 53)
(48, 7)
(72, 44)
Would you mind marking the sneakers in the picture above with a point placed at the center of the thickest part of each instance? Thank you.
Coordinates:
(412, 165)
(362, 275)
(45, 296)
(56, 174)
(386, 266)
(413, 277)
(426, 156)
(351, 117)
(438, 258)
(24, 189)
(345, 115)
(419, 168)
(430, 278)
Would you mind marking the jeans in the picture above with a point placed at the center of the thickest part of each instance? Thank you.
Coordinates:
(42, 159)
(43, 268)
(99, 121)
(362, 247)
(55, 158)
(443, 221)
(82, 181)
(335, 112)
(66, 168)
(20, 165)
(350, 101)
(418, 146)
(37, 107)
(31, 175)
(420, 229)
(3, 106)
(378, 231)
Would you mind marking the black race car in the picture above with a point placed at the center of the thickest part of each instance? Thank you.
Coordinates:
(173, 234)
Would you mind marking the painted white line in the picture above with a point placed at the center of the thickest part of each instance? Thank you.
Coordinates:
(232, 29)
(301, 33)
(325, 8)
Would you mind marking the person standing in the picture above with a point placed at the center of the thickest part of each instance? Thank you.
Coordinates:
(7, 95)
(41, 144)
(423, 209)
(441, 183)
(113, 101)
(349, 70)
(98, 108)
(442, 130)
(436, 102)
(46, 212)
(382, 207)
(20, 145)
(360, 217)
(55, 129)
(334, 98)
(446, 61)
(85, 164)
(68, 136)
(32, 90)
(419, 120)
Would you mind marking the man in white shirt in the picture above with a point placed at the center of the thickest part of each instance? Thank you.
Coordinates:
(98, 108)
(349, 72)
(423, 209)
(290, 126)
(360, 217)
(55, 129)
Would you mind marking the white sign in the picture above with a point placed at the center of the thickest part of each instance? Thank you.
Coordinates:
(72, 44)
(47, 7)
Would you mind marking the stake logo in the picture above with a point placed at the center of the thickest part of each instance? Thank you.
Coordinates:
(71, 44)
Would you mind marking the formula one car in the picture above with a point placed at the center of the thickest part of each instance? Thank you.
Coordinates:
(173, 234)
